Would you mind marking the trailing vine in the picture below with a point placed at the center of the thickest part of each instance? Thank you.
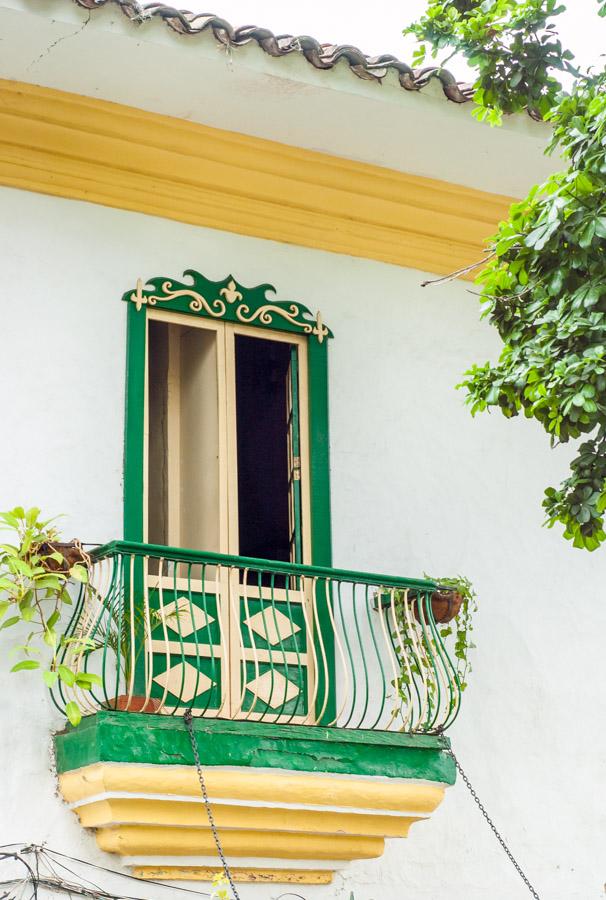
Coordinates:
(544, 288)
(456, 634)
(461, 627)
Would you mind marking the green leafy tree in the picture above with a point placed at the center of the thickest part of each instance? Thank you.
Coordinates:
(544, 287)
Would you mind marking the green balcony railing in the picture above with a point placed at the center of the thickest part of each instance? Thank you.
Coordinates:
(237, 638)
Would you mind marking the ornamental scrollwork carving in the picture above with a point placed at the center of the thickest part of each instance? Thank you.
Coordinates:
(231, 302)
(197, 303)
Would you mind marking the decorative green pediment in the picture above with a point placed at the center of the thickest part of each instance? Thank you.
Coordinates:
(229, 301)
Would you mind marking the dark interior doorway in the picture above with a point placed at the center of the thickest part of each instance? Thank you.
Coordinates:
(262, 445)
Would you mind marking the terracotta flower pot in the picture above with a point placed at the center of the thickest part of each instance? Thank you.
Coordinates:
(70, 550)
(445, 605)
(137, 704)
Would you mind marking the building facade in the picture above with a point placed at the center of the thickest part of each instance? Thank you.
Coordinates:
(246, 441)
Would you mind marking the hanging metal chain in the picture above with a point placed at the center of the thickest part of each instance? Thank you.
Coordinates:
(493, 827)
(187, 718)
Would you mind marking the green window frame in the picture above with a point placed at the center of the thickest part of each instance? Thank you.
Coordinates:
(230, 301)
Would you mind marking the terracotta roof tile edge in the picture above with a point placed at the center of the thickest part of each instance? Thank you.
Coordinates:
(321, 56)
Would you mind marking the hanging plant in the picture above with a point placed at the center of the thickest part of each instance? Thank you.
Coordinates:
(453, 607)
(457, 629)
(35, 570)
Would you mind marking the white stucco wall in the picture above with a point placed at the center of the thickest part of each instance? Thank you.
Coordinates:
(417, 485)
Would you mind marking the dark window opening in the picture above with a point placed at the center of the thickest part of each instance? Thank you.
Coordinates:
(262, 441)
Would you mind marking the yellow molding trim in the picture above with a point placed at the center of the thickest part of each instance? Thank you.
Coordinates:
(155, 811)
(147, 840)
(247, 784)
(63, 144)
(172, 814)
(252, 876)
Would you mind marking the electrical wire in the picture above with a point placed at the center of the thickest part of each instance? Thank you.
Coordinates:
(26, 865)
(52, 860)
(126, 875)
(76, 875)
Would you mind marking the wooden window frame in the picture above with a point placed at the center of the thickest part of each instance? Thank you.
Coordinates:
(226, 333)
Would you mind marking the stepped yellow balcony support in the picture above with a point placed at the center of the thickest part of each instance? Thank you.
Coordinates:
(292, 803)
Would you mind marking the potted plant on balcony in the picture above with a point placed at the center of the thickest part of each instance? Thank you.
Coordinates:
(115, 635)
(453, 606)
(35, 568)
(446, 601)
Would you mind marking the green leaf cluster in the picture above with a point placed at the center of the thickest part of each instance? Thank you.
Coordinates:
(34, 579)
(544, 288)
(545, 292)
(513, 45)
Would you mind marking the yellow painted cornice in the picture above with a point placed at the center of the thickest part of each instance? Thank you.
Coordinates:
(306, 788)
(113, 812)
(150, 812)
(135, 840)
(67, 145)
(238, 874)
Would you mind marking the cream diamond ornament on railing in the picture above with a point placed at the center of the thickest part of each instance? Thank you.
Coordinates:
(272, 625)
(184, 681)
(273, 689)
(184, 617)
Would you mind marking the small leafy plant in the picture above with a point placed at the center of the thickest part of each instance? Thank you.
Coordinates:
(462, 625)
(456, 635)
(34, 576)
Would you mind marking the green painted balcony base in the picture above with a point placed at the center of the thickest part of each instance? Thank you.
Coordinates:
(292, 803)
